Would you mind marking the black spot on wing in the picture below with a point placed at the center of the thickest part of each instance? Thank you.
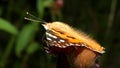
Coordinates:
(70, 37)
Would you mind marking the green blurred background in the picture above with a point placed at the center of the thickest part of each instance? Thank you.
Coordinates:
(20, 40)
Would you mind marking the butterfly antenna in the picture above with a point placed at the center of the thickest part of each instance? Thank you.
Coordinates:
(32, 16)
(26, 18)
(36, 19)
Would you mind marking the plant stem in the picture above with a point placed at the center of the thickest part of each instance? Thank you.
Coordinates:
(111, 16)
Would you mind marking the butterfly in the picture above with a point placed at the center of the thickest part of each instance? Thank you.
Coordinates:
(74, 48)
(60, 35)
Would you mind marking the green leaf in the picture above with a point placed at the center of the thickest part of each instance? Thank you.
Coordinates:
(40, 8)
(48, 3)
(7, 26)
(42, 4)
(25, 37)
(32, 48)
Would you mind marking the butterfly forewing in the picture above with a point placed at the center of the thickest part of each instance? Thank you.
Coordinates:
(53, 40)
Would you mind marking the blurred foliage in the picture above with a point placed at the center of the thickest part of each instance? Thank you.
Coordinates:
(21, 41)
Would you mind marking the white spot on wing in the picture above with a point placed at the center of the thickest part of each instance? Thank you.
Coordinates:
(62, 40)
(60, 46)
(59, 42)
(83, 45)
(49, 39)
(46, 28)
(102, 52)
(51, 35)
(77, 44)
(54, 36)
(54, 41)
(63, 46)
(71, 44)
(56, 45)
(67, 44)
(47, 51)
